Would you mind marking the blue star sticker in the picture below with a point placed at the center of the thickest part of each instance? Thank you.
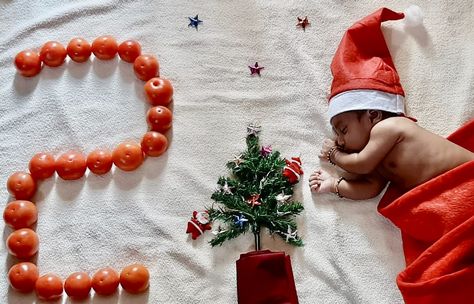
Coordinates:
(240, 220)
(194, 22)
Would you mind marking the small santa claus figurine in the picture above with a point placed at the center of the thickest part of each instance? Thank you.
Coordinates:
(293, 170)
(198, 223)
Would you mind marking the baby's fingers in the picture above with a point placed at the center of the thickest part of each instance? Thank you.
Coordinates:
(329, 142)
(315, 181)
(315, 175)
(315, 187)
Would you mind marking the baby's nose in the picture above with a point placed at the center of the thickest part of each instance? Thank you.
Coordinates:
(340, 142)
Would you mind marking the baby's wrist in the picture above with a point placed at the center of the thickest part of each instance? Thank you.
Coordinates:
(333, 188)
(336, 189)
(332, 155)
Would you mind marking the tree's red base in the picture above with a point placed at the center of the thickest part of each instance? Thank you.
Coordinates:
(265, 277)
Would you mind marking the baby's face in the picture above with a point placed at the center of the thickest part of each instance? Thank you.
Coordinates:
(352, 130)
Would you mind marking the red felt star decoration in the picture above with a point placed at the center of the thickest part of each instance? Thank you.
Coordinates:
(255, 69)
(303, 22)
(254, 200)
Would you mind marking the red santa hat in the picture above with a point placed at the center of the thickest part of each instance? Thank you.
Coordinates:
(364, 76)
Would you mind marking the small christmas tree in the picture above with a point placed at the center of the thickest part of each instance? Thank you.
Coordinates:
(257, 194)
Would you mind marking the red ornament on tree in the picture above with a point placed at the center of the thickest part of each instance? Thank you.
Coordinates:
(293, 170)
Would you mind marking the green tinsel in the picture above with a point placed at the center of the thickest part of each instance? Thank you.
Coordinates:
(255, 175)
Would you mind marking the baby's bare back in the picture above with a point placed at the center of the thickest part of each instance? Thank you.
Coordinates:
(419, 155)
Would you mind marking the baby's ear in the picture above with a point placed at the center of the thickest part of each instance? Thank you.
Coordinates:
(375, 115)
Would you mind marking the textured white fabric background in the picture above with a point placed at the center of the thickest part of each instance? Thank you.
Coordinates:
(352, 254)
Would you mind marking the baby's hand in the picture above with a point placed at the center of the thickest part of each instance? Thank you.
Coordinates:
(328, 144)
(321, 182)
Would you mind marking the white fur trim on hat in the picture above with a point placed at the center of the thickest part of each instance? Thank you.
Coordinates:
(366, 100)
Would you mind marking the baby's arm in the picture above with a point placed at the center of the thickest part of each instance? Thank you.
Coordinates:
(365, 187)
(383, 138)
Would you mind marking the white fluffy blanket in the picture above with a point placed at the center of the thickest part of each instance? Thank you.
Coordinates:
(352, 254)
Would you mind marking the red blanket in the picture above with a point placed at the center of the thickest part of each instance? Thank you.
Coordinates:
(436, 220)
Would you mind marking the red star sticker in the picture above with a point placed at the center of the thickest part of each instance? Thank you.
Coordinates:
(253, 200)
(303, 22)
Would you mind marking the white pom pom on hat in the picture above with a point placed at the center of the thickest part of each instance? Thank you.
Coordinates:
(413, 16)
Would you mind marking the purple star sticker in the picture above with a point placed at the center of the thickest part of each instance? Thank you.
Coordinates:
(266, 150)
(255, 69)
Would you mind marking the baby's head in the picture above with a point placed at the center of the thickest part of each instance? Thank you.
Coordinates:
(352, 128)
(365, 87)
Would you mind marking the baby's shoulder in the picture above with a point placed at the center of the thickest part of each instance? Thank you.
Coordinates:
(399, 123)
(396, 127)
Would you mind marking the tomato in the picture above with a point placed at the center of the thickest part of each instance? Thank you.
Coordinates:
(128, 156)
(99, 161)
(20, 214)
(159, 91)
(146, 67)
(78, 285)
(23, 243)
(71, 165)
(105, 281)
(23, 276)
(28, 63)
(129, 50)
(49, 287)
(135, 278)
(79, 49)
(159, 118)
(53, 53)
(42, 166)
(105, 47)
(154, 143)
(21, 185)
